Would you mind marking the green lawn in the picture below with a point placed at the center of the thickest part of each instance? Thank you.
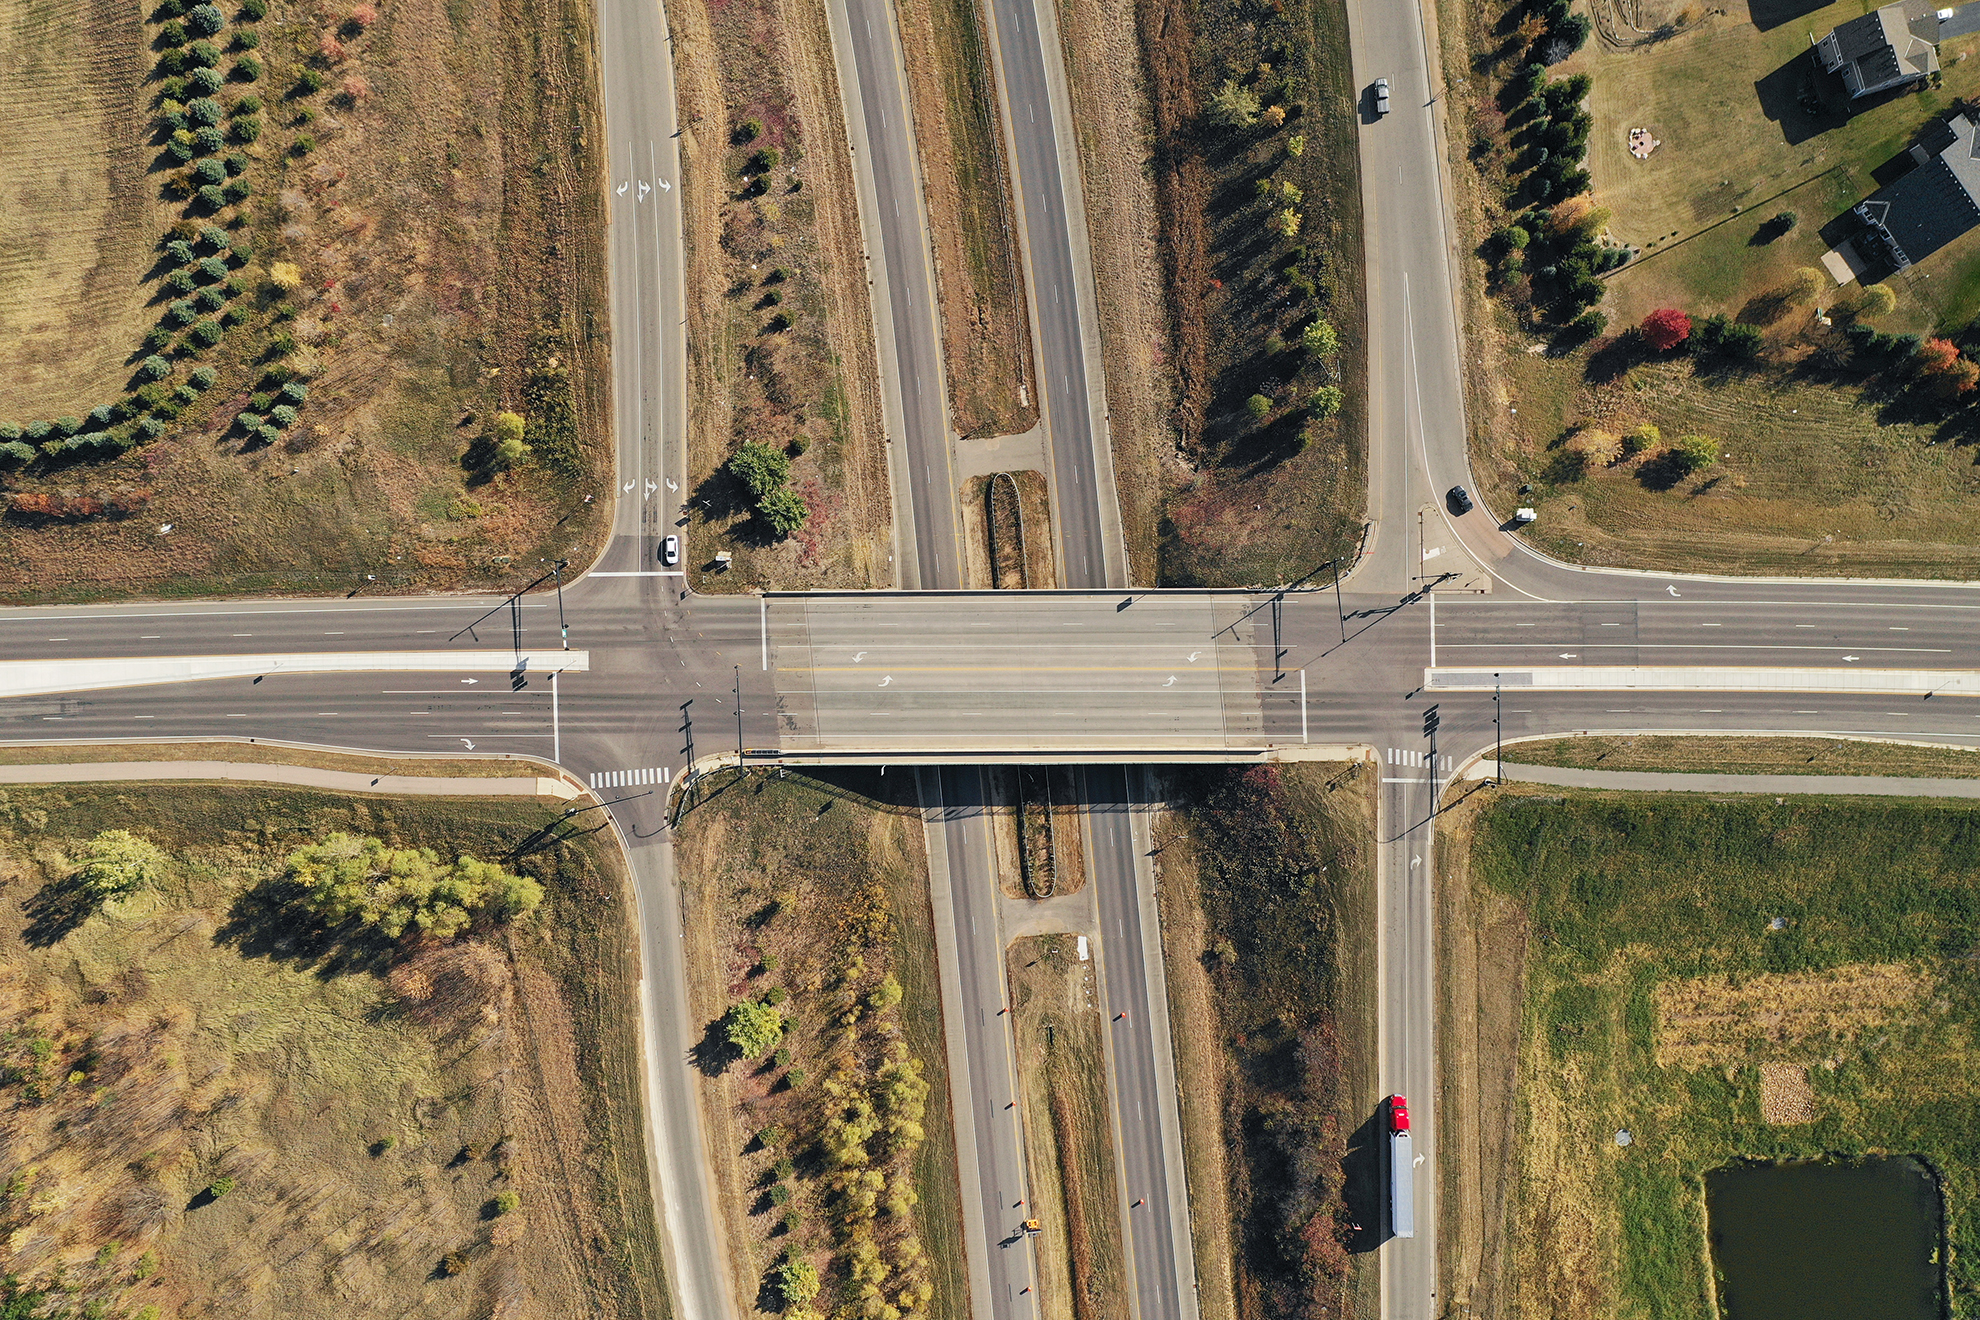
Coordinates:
(1626, 895)
(1738, 146)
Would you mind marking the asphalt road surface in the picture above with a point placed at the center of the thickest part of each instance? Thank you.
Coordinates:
(672, 677)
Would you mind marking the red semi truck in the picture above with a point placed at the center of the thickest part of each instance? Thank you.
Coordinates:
(1402, 1170)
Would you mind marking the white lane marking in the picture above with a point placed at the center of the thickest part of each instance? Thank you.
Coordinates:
(1672, 590)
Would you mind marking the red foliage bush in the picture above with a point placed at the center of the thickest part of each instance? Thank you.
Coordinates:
(1666, 328)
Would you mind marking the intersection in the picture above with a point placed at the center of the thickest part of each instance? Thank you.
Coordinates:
(625, 671)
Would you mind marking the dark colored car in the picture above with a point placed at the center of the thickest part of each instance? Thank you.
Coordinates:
(1459, 500)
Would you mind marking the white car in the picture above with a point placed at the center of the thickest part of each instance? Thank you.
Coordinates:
(1381, 97)
(670, 550)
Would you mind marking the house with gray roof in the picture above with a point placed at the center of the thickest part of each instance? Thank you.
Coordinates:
(1894, 46)
(1939, 200)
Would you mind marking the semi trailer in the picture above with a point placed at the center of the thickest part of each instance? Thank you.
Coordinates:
(1402, 1171)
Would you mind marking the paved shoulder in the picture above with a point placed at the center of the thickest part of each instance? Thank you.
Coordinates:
(1647, 781)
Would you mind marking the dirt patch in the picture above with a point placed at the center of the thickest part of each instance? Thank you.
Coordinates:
(1715, 1020)
(780, 343)
(835, 1148)
(1022, 549)
(420, 263)
(1785, 1095)
(986, 334)
(1265, 888)
(374, 1111)
(1070, 1152)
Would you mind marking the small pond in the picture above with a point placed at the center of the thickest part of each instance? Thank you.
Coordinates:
(1825, 1241)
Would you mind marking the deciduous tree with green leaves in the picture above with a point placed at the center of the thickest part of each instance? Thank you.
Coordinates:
(349, 877)
(117, 863)
(753, 1028)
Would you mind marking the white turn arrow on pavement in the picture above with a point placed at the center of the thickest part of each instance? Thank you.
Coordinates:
(667, 186)
(1193, 655)
(1568, 655)
(885, 681)
(671, 485)
(470, 680)
(1171, 682)
(651, 486)
(1852, 657)
(1672, 590)
(470, 745)
(622, 189)
(644, 188)
(628, 486)
(859, 657)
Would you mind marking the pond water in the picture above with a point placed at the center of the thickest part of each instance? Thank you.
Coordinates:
(1825, 1241)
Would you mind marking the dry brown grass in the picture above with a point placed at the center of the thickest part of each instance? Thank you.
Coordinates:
(1111, 117)
(370, 1107)
(500, 766)
(77, 217)
(818, 886)
(1713, 1020)
(1034, 515)
(443, 250)
(986, 334)
(816, 381)
(1070, 1147)
(1713, 755)
(1785, 1095)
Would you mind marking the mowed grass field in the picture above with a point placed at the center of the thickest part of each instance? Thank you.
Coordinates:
(1668, 952)
(1817, 477)
(78, 216)
(1724, 98)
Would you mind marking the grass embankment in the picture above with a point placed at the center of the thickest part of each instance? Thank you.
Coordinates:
(1204, 294)
(1750, 756)
(1069, 1145)
(810, 895)
(1723, 980)
(780, 341)
(499, 766)
(986, 334)
(1267, 895)
(372, 1104)
(1836, 461)
(313, 271)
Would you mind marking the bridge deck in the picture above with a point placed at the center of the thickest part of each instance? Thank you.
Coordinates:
(1015, 670)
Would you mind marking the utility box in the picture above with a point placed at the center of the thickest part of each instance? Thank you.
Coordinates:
(1525, 516)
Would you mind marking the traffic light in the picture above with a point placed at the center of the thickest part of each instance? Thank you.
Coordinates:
(1430, 722)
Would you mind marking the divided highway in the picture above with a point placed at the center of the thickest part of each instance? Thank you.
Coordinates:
(671, 677)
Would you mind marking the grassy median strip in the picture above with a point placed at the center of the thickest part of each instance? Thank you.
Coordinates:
(219, 1095)
(1750, 756)
(246, 753)
(1720, 979)
(1069, 1140)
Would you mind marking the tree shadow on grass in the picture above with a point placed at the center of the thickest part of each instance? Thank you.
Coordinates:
(270, 921)
(57, 910)
(712, 1054)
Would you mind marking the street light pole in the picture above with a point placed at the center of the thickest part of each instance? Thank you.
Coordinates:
(563, 629)
(1338, 607)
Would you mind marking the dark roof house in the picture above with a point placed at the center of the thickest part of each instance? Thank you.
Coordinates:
(1936, 202)
(1887, 48)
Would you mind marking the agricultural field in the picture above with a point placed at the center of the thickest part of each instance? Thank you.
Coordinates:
(1721, 979)
(1835, 446)
(218, 1095)
(1237, 409)
(826, 1083)
(283, 308)
(1267, 894)
(781, 368)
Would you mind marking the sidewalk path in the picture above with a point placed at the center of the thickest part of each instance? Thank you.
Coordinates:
(302, 776)
(1652, 782)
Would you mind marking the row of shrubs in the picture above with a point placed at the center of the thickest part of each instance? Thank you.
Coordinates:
(1593, 447)
(203, 260)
